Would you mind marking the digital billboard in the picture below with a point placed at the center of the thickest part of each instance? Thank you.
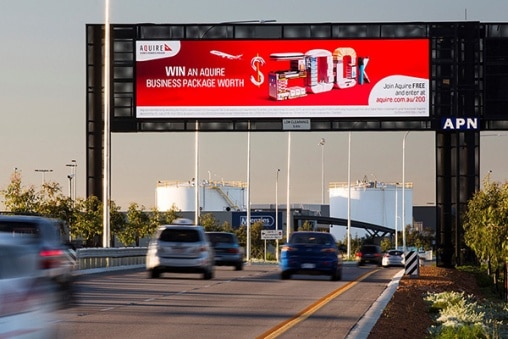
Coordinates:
(282, 78)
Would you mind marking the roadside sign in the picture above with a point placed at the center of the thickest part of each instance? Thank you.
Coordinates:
(271, 234)
(295, 124)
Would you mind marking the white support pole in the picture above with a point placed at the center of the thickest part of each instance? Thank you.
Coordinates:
(277, 212)
(107, 142)
(248, 197)
(349, 197)
(288, 205)
(403, 221)
(196, 174)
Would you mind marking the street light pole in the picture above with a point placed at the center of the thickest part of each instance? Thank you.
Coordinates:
(349, 197)
(288, 205)
(322, 144)
(396, 217)
(403, 223)
(106, 236)
(43, 171)
(277, 211)
(72, 165)
(248, 225)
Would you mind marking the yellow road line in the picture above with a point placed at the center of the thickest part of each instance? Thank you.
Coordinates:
(279, 329)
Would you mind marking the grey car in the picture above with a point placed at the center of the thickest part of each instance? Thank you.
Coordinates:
(228, 251)
(55, 259)
(180, 248)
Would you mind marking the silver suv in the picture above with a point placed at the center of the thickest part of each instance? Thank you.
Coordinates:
(181, 248)
(55, 260)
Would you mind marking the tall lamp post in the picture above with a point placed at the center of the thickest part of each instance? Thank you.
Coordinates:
(72, 188)
(396, 217)
(106, 221)
(349, 197)
(403, 223)
(277, 211)
(43, 172)
(322, 144)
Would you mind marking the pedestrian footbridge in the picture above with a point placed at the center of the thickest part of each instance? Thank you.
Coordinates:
(373, 230)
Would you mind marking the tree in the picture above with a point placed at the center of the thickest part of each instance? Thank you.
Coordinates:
(158, 218)
(52, 203)
(116, 220)
(209, 222)
(88, 222)
(19, 200)
(307, 226)
(486, 223)
(257, 244)
(136, 227)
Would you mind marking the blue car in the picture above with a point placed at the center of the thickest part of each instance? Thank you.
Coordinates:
(311, 253)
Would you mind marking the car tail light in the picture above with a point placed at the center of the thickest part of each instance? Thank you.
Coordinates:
(51, 258)
(287, 248)
(328, 250)
(232, 250)
(358, 254)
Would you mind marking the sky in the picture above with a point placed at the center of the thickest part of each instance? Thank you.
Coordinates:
(42, 103)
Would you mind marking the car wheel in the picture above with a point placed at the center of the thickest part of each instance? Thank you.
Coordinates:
(336, 276)
(285, 275)
(239, 266)
(208, 275)
(154, 273)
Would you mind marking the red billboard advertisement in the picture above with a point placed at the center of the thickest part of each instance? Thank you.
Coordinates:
(282, 78)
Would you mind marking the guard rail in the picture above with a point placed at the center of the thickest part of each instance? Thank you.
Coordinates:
(90, 258)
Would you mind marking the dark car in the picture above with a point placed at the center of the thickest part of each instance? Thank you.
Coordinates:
(228, 251)
(311, 253)
(55, 259)
(369, 254)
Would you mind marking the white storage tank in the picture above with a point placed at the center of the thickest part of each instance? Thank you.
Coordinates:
(378, 203)
(214, 196)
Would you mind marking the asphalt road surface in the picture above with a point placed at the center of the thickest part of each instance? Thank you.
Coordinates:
(253, 303)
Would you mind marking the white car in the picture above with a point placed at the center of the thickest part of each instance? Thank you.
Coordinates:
(180, 248)
(393, 258)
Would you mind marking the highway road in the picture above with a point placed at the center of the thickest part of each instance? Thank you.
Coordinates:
(253, 303)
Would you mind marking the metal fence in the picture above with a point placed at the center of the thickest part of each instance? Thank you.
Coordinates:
(91, 258)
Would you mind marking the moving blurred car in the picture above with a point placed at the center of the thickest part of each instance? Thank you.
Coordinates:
(47, 236)
(311, 253)
(26, 296)
(393, 258)
(181, 248)
(369, 254)
(228, 251)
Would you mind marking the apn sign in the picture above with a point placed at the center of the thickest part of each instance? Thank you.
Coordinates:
(459, 123)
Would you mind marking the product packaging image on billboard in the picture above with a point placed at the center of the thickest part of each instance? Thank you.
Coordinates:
(282, 78)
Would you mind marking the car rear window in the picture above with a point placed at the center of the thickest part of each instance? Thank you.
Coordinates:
(179, 235)
(216, 238)
(19, 228)
(321, 239)
(370, 249)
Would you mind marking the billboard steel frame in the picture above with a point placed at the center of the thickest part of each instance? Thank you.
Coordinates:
(469, 77)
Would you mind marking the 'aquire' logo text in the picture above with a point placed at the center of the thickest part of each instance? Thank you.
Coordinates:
(159, 48)
(150, 50)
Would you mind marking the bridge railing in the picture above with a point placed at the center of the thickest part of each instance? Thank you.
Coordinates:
(90, 258)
